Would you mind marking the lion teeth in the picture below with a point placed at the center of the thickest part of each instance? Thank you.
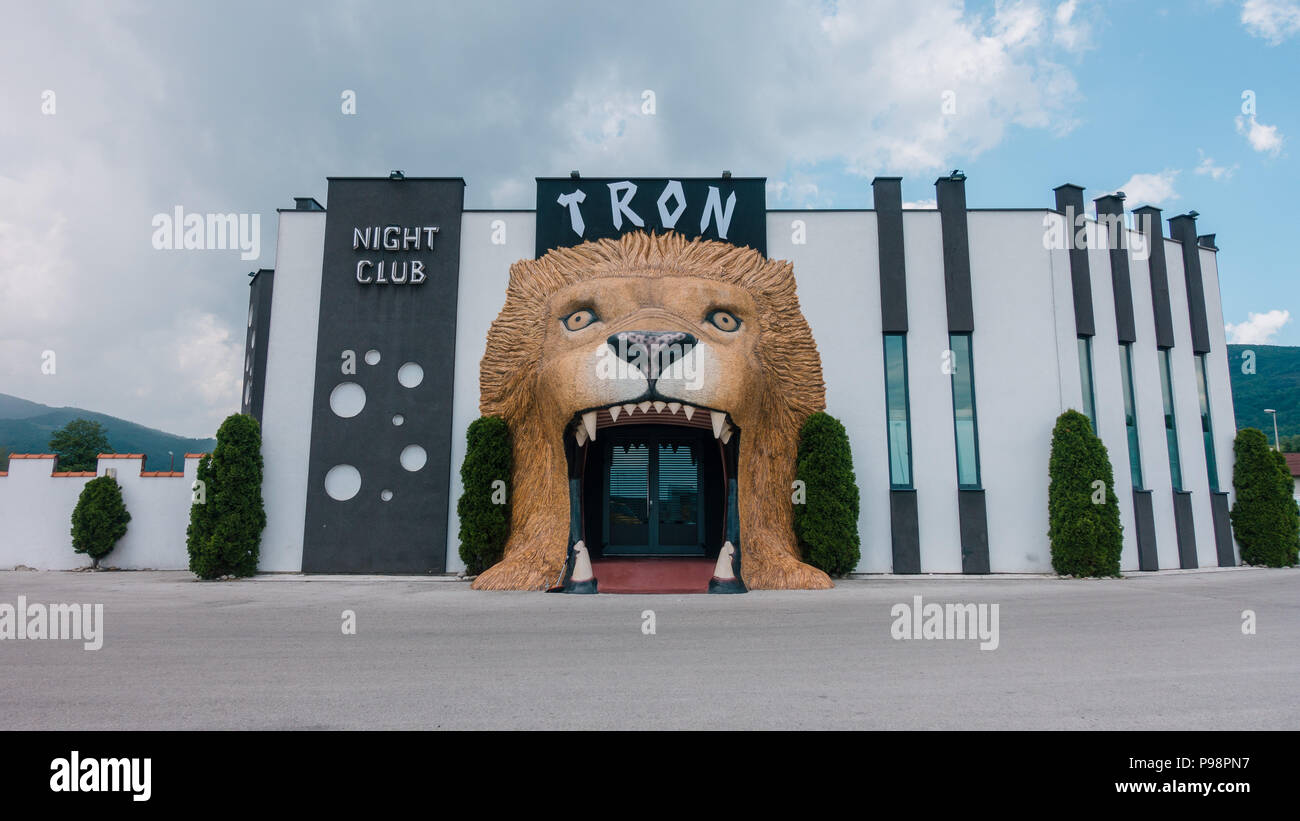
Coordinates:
(614, 411)
(689, 411)
(659, 407)
(726, 434)
(628, 409)
(644, 407)
(581, 435)
(719, 419)
(589, 422)
(673, 407)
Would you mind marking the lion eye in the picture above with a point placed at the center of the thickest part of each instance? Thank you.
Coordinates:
(579, 319)
(724, 321)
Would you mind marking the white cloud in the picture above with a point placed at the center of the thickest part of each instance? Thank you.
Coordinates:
(1271, 20)
(1207, 168)
(1151, 189)
(1258, 329)
(804, 91)
(921, 204)
(1265, 139)
(1071, 30)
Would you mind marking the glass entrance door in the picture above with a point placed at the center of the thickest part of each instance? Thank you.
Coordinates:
(653, 496)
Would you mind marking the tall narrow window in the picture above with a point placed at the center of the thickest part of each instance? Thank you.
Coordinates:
(897, 413)
(1207, 431)
(1085, 381)
(963, 411)
(1130, 414)
(1171, 429)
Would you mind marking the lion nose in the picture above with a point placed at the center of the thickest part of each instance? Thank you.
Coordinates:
(660, 348)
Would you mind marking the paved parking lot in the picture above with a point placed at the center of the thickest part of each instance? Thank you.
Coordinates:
(1148, 652)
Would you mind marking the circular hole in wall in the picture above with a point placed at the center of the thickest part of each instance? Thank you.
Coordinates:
(347, 399)
(399, 420)
(413, 457)
(410, 375)
(372, 357)
(385, 495)
(342, 482)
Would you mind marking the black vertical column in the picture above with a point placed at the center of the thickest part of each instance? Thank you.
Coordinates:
(1147, 221)
(1183, 230)
(951, 196)
(255, 342)
(888, 200)
(1069, 201)
(1110, 211)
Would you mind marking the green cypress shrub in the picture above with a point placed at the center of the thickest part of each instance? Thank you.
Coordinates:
(99, 519)
(1264, 515)
(234, 495)
(1084, 531)
(198, 536)
(826, 524)
(485, 520)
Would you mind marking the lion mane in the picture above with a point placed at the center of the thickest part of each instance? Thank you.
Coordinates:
(792, 390)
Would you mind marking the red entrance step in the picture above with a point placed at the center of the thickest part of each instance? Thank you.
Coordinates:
(653, 574)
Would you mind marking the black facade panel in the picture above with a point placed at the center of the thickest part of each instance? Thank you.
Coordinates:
(1185, 529)
(1145, 519)
(888, 201)
(360, 311)
(1222, 530)
(1110, 209)
(905, 531)
(1069, 201)
(256, 342)
(1183, 229)
(1147, 220)
(951, 195)
(974, 531)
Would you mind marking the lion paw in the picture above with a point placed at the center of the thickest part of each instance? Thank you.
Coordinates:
(782, 572)
(516, 574)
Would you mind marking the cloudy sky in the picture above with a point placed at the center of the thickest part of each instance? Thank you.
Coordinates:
(112, 115)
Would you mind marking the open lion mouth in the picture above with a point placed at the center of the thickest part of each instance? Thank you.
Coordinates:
(585, 425)
(655, 478)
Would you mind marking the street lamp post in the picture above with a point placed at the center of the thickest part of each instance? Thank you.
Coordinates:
(1277, 444)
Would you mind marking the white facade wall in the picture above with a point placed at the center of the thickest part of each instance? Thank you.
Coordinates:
(36, 508)
(484, 275)
(837, 265)
(290, 383)
(1109, 388)
(934, 445)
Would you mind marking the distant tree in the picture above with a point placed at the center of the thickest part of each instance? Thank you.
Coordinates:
(4, 458)
(1291, 444)
(79, 443)
(99, 519)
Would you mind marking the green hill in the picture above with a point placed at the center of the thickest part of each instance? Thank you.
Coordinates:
(1274, 384)
(26, 427)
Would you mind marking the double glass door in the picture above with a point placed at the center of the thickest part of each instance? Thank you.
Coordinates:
(653, 498)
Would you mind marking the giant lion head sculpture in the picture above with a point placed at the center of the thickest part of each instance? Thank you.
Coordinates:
(673, 330)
